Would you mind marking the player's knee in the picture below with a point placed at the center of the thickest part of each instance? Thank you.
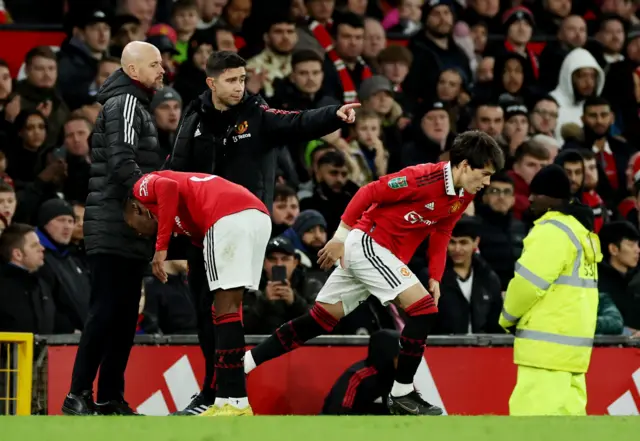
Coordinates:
(335, 309)
(412, 295)
(422, 306)
(228, 301)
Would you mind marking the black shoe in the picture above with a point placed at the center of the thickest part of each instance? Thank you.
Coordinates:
(115, 407)
(411, 404)
(79, 405)
(199, 404)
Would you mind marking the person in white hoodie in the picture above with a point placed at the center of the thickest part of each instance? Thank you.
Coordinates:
(580, 77)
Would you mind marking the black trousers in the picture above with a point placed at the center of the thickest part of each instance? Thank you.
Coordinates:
(111, 325)
(203, 301)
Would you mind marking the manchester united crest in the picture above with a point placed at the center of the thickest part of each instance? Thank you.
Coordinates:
(455, 207)
(242, 127)
(405, 272)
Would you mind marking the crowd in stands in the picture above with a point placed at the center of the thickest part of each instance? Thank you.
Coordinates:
(550, 80)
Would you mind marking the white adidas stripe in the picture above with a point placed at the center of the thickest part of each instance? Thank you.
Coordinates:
(129, 113)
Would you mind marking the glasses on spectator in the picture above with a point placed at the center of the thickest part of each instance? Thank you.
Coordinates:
(546, 113)
(500, 191)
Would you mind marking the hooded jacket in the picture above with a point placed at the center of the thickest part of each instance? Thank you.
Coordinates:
(570, 109)
(124, 147)
(239, 144)
(363, 388)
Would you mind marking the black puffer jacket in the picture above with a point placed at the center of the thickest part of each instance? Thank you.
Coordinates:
(238, 144)
(124, 146)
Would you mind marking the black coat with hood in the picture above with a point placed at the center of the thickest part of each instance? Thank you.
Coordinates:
(239, 144)
(364, 387)
(124, 147)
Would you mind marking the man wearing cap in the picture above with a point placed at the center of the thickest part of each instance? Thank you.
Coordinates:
(168, 50)
(166, 107)
(377, 95)
(285, 290)
(433, 51)
(518, 25)
(308, 235)
(432, 137)
(79, 56)
(551, 303)
(516, 126)
(125, 28)
(61, 270)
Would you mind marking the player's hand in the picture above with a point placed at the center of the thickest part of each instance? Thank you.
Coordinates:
(434, 289)
(157, 266)
(332, 251)
(347, 113)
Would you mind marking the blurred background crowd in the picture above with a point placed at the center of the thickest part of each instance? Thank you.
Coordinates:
(550, 80)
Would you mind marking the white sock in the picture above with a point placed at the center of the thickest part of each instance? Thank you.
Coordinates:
(249, 362)
(220, 401)
(400, 390)
(239, 403)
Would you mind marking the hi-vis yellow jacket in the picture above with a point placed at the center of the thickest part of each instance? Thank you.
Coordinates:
(553, 297)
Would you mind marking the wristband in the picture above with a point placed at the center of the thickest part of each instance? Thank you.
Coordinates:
(341, 234)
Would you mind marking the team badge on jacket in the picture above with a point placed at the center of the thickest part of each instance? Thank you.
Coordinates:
(242, 127)
(399, 182)
(455, 207)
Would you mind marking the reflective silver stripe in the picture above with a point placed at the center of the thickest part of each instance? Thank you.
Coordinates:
(511, 318)
(574, 279)
(531, 277)
(573, 239)
(554, 338)
(578, 282)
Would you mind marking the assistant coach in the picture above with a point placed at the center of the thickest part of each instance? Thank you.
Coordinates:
(233, 134)
(124, 146)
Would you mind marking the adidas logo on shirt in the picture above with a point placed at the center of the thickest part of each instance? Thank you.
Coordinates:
(430, 206)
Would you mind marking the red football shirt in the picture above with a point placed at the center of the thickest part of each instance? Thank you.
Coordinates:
(401, 209)
(190, 203)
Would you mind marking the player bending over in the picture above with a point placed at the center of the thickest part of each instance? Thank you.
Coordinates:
(233, 227)
(380, 230)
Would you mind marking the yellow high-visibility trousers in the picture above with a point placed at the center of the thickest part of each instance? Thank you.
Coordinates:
(545, 392)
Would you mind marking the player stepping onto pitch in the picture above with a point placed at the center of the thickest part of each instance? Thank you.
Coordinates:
(380, 230)
(233, 228)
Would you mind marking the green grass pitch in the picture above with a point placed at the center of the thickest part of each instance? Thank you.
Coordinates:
(317, 428)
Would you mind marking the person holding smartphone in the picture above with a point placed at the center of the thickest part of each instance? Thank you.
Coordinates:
(285, 292)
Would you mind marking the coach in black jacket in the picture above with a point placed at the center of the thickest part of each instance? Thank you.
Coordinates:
(232, 134)
(124, 146)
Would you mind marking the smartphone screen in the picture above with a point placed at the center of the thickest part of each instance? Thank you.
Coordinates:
(279, 273)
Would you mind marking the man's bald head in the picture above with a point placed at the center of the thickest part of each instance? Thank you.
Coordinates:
(142, 62)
